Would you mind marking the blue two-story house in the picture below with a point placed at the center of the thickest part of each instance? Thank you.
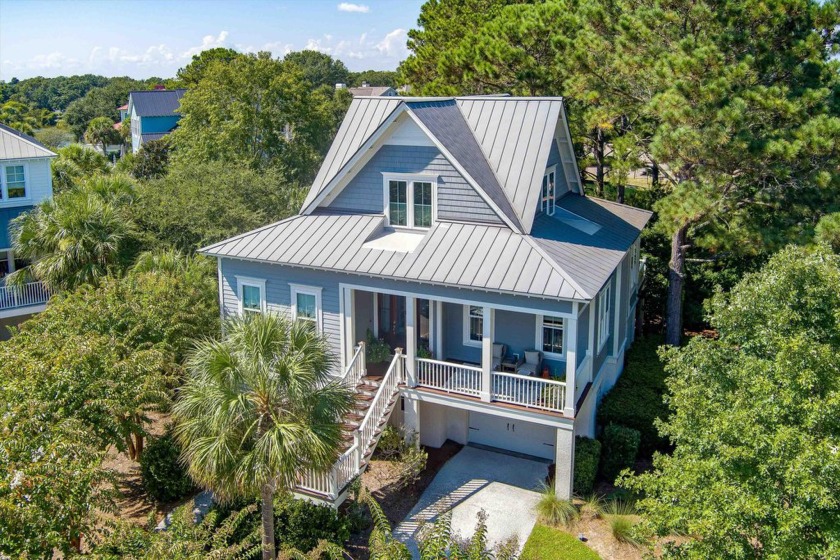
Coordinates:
(152, 114)
(25, 180)
(456, 231)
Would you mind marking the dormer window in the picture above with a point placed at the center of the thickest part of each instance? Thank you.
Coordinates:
(548, 196)
(409, 200)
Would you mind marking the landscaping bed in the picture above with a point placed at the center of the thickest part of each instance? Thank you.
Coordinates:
(380, 479)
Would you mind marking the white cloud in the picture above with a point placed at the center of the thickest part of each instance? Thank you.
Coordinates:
(355, 8)
(393, 45)
(207, 43)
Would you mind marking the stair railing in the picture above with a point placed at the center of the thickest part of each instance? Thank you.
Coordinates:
(356, 369)
(389, 386)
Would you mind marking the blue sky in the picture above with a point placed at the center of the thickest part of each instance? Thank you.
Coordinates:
(143, 38)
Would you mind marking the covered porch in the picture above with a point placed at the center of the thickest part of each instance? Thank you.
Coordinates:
(486, 351)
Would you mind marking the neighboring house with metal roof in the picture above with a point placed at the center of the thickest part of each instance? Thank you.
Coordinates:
(153, 114)
(456, 231)
(25, 180)
(366, 90)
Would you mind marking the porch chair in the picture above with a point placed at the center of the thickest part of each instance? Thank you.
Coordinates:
(499, 353)
(531, 364)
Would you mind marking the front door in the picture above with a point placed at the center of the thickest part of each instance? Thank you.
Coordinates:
(391, 319)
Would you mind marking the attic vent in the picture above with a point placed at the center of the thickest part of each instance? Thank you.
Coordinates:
(575, 221)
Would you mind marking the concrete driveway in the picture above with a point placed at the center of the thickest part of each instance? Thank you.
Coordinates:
(504, 486)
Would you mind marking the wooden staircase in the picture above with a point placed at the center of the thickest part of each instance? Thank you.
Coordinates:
(375, 398)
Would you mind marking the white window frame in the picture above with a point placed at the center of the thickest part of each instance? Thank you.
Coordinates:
(604, 306)
(538, 339)
(548, 206)
(635, 250)
(468, 341)
(242, 281)
(312, 291)
(410, 179)
(4, 184)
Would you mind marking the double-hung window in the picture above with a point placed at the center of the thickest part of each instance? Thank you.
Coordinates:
(604, 304)
(251, 295)
(306, 305)
(13, 182)
(550, 335)
(473, 325)
(409, 201)
(548, 195)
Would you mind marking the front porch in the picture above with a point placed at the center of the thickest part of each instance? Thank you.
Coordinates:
(490, 352)
(22, 300)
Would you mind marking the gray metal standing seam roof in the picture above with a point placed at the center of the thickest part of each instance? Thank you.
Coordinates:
(502, 142)
(17, 145)
(157, 102)
(557, 261)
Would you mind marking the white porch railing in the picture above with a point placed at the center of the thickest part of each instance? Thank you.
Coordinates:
(29, 294)
(449, 377)
(531, 392)
(350, 464)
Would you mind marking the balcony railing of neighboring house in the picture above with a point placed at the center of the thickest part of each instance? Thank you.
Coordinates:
(27, 295)
(510, 388)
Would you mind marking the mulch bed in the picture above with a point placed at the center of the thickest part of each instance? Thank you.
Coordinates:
(380, 478)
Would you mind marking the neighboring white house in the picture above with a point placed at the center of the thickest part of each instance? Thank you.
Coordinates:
(25, 180)
(455, 230)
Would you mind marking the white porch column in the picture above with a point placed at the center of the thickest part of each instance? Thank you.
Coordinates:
(349, 339)
(438, 350)
(411, 418)
(410, 341)
(591, 351)
(488, 315)
(564, 460)
(571, 365)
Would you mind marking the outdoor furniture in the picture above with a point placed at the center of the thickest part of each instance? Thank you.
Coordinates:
(499, 351)
(509, 364)
(531, 364)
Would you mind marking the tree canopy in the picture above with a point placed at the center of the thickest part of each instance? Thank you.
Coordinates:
(256, 111)
(183, 210)
(319, 68)
(755, 420)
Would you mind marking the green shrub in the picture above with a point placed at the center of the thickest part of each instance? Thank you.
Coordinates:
(587, 457)
(391, 442)
(164, 478)
(621, 527)
(412, 463)
(621, 446)
(636, 401)
(377, 350)
(554, 511)
(301, 524)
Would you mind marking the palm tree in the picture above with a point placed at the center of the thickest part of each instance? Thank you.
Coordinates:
(76, 237)
(259, 407)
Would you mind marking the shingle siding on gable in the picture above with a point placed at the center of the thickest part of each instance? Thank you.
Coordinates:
(456, 199)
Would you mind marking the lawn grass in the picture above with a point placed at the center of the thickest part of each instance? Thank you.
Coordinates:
(546, 543)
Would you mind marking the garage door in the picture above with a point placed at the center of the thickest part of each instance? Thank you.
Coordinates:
(511, 435)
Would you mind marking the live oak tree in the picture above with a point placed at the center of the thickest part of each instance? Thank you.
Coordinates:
(755, 421)
(319, 68)
(259, 112)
